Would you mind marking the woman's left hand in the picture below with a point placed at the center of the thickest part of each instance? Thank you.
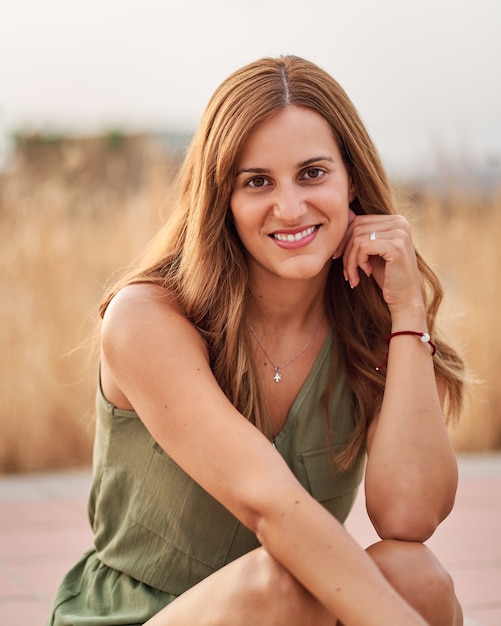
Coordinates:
(381, 246)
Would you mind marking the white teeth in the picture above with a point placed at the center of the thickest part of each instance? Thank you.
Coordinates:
(296, 237)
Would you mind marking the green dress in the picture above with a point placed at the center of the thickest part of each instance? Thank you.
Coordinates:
(157, 532)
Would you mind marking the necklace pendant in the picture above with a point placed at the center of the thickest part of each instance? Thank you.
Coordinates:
(278, 377)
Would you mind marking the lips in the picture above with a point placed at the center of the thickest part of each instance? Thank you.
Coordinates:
(294, 237)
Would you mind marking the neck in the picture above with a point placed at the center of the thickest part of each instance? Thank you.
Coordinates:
(278, 302)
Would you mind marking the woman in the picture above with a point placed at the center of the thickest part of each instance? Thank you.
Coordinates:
(246, 371)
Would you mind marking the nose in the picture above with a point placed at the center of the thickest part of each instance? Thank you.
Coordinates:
(288, 205)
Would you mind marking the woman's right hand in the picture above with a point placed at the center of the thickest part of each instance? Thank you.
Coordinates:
(381, 246)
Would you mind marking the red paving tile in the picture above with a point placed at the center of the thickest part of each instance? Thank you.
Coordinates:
(39, 576)
(31, 612)
(44, 529)
(22, 514)
(485, 617)
(10, 588)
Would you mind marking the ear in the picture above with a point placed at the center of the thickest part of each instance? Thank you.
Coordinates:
(352, 190)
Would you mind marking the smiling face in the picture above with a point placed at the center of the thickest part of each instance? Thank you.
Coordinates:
(291, 195)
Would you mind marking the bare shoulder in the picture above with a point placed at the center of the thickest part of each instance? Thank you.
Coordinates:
(143, 331)
(144, 310)
(139, 298)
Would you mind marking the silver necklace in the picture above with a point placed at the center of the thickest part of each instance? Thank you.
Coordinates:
(277, 376)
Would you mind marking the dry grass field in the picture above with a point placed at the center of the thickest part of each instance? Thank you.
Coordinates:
(74, 212)
(458, 231)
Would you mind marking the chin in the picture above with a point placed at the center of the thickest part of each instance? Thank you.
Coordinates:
(305, 270)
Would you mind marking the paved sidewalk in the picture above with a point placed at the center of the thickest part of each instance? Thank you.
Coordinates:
(44, 529)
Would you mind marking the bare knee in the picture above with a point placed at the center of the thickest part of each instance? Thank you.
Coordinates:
(280, 596)
(419, 577)
(266, 580)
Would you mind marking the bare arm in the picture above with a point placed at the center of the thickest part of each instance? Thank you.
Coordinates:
(159, 362)
(411, 475)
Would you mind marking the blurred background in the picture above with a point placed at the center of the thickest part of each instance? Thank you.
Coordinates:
(98, 100)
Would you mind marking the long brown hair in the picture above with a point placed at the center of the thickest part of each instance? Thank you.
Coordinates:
(199, 258)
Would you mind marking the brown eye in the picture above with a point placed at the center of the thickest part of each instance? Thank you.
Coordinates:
(257, 181)
(312, 173)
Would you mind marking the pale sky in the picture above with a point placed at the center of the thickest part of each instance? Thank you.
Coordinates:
(425, 75)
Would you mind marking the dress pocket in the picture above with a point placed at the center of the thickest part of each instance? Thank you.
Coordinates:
(335, 490)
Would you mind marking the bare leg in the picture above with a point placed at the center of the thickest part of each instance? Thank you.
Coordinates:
(256, 589)
(417, 575)
(253, 590)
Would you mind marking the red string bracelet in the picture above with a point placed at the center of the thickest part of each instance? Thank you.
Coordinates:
(424, 337)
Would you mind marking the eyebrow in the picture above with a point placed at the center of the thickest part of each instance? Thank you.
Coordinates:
(263, 170)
